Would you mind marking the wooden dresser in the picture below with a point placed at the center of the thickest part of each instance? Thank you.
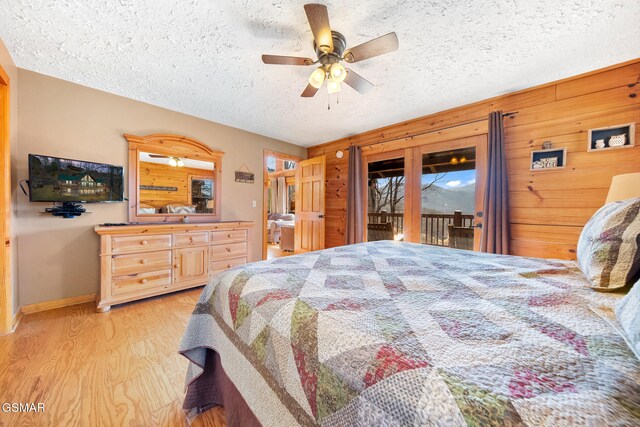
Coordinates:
(140, 261)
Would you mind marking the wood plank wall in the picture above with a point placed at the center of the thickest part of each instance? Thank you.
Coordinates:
(167, 176)
(548, 208)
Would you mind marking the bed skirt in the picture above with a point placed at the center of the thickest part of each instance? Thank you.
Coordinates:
(214, 388)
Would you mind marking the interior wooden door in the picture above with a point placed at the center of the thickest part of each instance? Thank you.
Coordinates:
(6, 315)
(190, 265)
(310, 203)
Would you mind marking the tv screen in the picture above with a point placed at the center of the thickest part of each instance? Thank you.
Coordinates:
(52, 179)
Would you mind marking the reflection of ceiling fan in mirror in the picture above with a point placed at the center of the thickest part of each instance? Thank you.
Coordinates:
(173, 161)
(330, 47)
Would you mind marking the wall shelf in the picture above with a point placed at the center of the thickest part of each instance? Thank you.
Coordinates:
(621, 136)
(548, 159)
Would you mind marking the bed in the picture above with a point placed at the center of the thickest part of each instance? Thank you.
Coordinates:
(389, 333)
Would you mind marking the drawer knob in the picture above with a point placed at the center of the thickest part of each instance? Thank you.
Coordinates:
(191, 239)
(143, 261)
(228, 265)
(143, 281)
(229, 235)
(144, 242)
(228, 249)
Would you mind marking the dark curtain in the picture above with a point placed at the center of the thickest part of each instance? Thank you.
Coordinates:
(495, 223)
(355, 204)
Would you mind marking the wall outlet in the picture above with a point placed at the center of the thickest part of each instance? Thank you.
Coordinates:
(255, 205)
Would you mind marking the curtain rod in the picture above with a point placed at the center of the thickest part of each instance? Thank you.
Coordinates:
(510, 114)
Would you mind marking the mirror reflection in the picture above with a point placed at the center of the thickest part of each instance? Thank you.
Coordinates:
(175, 185)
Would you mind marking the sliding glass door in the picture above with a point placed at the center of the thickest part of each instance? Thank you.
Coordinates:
(451, 197)
(387, 196)
(431, 194)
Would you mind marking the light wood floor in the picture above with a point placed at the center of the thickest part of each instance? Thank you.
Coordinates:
(118, 368)
(273, 251)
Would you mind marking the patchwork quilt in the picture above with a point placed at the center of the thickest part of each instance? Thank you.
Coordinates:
(401, 334)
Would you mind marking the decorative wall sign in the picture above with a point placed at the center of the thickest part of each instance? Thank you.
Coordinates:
(611, 137)
(552, 158)
(158, 188)
(245, 176)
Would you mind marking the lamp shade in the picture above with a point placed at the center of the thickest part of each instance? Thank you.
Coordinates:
(624, 187)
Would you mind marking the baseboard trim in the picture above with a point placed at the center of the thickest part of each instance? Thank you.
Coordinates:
(59, 303)
(16, 320)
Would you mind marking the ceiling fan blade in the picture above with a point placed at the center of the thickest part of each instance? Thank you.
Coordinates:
(286, 60)
(319, 22)
(309, 92)
(358, 82)
(158, 156)
(381, 45)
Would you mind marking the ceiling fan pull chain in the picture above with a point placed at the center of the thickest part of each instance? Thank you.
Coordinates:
(329, 102)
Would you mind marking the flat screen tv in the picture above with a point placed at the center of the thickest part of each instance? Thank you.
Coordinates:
(52, 179)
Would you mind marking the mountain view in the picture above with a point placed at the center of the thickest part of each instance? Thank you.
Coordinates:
(437, 199)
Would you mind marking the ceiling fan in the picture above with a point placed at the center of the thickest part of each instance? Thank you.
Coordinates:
(331, 49)
(173, 161)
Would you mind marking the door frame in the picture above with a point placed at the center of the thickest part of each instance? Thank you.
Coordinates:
(265, 190)
(6, 301)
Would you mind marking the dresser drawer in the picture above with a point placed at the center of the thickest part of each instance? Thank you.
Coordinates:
(140, 262)
(230, 236)
(190, 239)
(218, 266)
(122, 244)
(140, 282)
(228, 251)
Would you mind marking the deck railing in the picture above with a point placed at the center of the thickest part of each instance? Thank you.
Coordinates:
(434, 227)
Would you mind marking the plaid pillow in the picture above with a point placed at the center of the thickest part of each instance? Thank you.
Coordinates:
(609, 245)
(628, 314)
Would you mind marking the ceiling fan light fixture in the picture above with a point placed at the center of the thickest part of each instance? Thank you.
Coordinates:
(317, 77)
(338, 73)
(173, 162)
(333, 86)
(179, 162)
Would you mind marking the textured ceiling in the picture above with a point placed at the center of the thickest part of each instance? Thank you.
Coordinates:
(203, 57)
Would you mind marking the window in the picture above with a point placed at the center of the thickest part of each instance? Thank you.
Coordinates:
(291, 199)
(271, 164)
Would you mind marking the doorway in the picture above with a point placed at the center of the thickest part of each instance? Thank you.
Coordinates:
(6, 303)
(279, 204)
(386, 197)
(431, 194)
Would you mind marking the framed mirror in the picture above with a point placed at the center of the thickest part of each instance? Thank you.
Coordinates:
(173, 178)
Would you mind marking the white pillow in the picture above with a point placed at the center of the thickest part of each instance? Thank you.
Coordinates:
(628, 314)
